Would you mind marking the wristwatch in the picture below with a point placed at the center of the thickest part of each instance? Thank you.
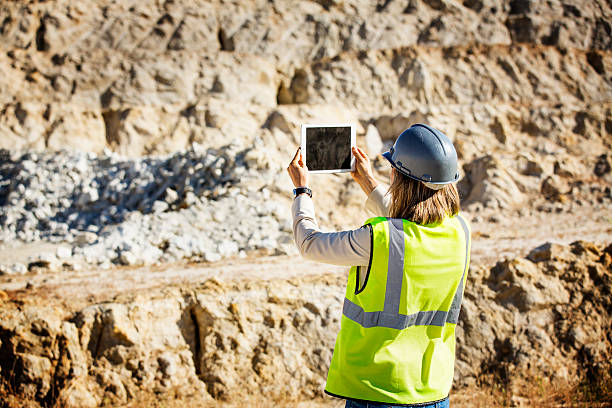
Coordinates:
(300, 190)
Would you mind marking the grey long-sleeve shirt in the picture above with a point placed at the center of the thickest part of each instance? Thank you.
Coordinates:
(351, 247)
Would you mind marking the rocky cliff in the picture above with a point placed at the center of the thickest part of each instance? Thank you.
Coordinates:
(542, 318)
(153, 76)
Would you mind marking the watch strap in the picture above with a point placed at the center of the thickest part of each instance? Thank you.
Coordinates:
(300, 190)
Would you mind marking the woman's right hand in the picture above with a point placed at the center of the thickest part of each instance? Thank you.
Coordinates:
(363, 174)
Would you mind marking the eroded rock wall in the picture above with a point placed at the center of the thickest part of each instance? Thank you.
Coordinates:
(544, 316)
(147, 77)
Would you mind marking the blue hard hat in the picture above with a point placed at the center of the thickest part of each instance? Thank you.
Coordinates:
(424, 154)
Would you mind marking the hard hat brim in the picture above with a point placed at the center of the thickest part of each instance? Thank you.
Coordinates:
(389, 157)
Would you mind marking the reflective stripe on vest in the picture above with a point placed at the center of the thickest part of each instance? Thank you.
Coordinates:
(390, 317)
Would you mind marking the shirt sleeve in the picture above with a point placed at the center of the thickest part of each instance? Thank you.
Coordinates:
(379, 201)
(350, 247)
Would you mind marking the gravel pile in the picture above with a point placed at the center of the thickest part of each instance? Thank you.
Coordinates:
(196, 205)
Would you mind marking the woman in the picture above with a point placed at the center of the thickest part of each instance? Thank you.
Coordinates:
(396, 344)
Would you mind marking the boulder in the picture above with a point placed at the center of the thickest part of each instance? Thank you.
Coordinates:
(519, 283)
(489, 182)
(373, 143)
(554, 188)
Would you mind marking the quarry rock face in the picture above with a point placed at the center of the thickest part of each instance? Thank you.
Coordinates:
(491, 184)
(546, 314)
(151, 77)
(558, 299)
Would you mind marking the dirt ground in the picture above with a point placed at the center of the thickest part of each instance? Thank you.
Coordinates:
(492, 240)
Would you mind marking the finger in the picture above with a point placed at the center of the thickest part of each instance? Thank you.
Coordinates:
(362, 160)
(362, 153)
(298, 155)
(356, 153)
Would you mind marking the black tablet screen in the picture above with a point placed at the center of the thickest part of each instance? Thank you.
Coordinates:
(328, 148)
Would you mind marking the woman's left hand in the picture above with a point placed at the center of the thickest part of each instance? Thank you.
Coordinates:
(298, 171)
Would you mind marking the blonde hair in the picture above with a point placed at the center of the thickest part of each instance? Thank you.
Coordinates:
(412, 200)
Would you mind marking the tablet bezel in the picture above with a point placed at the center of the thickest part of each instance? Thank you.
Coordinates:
(323, 125)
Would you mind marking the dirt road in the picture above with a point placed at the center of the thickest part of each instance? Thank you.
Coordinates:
(492, 240)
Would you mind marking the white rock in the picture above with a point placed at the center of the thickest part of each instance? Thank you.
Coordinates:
(29, 166)
(171, 196)
(63, 252)
(129, 259)
(46, 257)
(151, 254)
(373, 141)
(190, 198)
(211, 256)
(85, 237)
(93, 253)
(159, 206)
(17, 269)
(286, 246)
(219, 216)
(268, 243)
(87, 197)
(125, 235)
(227, 248)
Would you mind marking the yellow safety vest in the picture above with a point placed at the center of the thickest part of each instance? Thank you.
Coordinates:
(397, 338)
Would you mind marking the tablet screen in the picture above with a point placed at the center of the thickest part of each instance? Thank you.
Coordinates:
(328, 148)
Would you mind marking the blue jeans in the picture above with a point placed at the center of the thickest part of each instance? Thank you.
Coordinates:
(363, 404)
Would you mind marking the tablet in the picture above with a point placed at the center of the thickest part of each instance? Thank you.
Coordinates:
(327, 148)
